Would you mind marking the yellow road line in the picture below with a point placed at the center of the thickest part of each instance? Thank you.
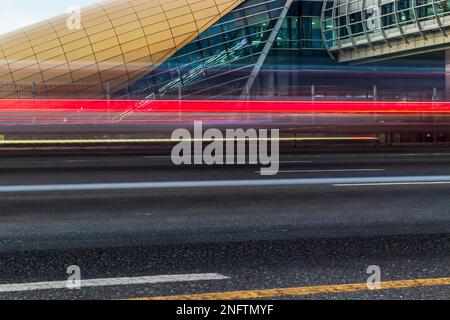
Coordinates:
(302, 291)
(168, 140)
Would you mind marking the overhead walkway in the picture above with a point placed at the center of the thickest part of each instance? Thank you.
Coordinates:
(360, 31)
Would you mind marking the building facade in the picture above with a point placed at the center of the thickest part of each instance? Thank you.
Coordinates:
(220, 49)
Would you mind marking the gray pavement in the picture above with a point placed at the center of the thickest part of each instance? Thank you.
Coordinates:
(259, 237)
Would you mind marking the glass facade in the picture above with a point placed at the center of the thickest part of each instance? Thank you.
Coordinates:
(300, 33)
(301, 28)
(219, 61)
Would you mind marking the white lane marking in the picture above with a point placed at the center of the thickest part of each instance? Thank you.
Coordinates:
(18, 287)
(389, 184)
(327, 170)
(386, 155)
(219, 183)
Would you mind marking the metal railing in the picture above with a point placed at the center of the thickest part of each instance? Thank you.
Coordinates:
(309, 92)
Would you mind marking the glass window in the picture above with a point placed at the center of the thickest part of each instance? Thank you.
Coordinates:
(388, 17)
(355, 23)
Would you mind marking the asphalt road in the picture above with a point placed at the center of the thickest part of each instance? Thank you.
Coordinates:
(224, 238)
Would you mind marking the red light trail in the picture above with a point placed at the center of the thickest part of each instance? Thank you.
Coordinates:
(220, 106)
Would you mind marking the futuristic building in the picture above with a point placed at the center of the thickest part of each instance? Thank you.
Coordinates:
(283, 49)
(373, 29)
(117, 43)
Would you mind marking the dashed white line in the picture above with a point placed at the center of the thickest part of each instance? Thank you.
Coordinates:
(329, 170)
(52, 285)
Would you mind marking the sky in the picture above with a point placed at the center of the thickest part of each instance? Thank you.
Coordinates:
(15, 14)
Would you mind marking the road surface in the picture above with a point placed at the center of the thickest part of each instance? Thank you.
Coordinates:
(304, 233)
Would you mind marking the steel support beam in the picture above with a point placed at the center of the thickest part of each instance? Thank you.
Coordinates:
(262, 57)
(399, 23)
(364, 23)
(323, 29)
(438, 18)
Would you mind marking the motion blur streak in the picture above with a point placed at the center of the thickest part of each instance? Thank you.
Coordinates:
(222, 106)
(162, 140)
(220, 183)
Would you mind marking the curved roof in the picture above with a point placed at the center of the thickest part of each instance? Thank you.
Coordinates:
(119, 42)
